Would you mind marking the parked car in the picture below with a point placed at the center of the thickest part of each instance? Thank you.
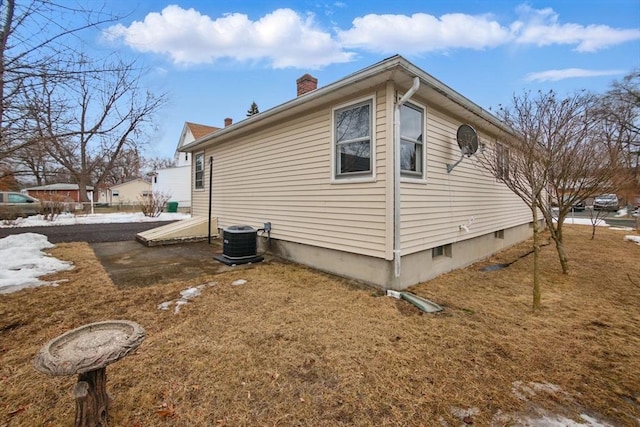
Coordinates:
(14, 205)
(578, 206)
(606, 202)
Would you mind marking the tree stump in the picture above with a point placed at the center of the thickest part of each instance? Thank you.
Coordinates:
(87, 351)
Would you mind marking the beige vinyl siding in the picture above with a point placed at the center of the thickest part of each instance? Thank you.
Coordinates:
(283, 175)
(432, 212)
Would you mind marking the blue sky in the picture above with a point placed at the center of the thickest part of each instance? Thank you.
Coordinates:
(215, 58)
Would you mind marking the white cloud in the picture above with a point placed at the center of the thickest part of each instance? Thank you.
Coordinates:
(282, 37)
(421, 32)
(541, 28)
(568, 73)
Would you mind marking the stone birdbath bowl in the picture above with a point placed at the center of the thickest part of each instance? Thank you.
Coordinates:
(87, 351)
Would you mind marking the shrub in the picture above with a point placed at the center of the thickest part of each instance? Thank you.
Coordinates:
(153, 204)
(52, 206)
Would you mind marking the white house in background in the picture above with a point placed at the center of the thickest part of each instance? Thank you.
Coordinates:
(128, 193)
(355, 177)
(175, 182)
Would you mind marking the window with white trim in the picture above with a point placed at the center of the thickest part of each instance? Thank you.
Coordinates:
(502, 161)
(411, 140)
(352, 139)
(198, 179)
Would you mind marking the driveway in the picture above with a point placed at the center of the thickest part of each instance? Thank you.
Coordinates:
(130, 263)
(91, 233)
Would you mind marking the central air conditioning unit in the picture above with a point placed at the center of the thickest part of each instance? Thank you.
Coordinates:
(239, 245)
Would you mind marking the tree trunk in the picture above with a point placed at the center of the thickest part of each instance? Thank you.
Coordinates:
(558, 237)
(92, 400)
(562, 254)
(537, 295)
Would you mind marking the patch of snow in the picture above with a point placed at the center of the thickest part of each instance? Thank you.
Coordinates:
(179, 304)
(239, 282)
(464, 413)
(546, 387)
(583, 221)
(185, 296)
(73, 219)
(634, 239)
(23, 262)
(560, 421)
(165, 305)
(621, 212)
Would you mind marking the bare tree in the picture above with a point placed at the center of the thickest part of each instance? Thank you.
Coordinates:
(553, 152)
(88, 120)
(619, 128)
(514, 161)
(154, 163)
(126, 167)
(36, 41)
(577, 162)
(33, 160)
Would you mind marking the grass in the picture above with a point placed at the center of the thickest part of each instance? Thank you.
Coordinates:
(294, 347)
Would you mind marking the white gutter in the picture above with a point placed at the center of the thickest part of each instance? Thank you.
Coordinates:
(396, 173)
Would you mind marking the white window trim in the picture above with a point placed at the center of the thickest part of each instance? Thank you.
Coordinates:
(415, 179)
(204, 168)
(354, 179)
(502, 148)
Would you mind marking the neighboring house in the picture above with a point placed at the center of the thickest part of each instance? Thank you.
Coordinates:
(64, 192)
(320, 168)
(128, 193)
(175, 182)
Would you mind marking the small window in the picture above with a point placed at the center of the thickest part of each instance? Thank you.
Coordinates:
(499, 234)
(186, 156)
(411, 140)
(198, 182)
(115, 193)
(352, 139)
(441, 251)
(155, 179)
(502, 161)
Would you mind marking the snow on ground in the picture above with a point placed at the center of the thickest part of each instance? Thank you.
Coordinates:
(23, 262)
(23, 259)
(634, 239)
(72, 219)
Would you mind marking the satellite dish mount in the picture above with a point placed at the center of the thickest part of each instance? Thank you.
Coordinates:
(467, 141)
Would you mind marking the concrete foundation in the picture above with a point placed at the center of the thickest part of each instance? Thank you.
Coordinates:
(415, 268)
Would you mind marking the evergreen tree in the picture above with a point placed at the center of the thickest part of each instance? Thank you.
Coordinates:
(253, 109)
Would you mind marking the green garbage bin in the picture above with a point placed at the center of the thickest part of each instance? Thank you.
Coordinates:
(172, 207)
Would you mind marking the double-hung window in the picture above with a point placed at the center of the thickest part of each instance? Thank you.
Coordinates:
(198, 179)
(352, 136)
(502, 161)
(411, 140)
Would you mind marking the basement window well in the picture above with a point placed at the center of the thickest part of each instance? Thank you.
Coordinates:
(441, 251)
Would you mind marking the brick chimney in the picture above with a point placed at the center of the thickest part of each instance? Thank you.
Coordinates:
(306, 83)
(228, 121)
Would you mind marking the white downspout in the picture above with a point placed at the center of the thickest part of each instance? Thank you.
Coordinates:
(396, 173)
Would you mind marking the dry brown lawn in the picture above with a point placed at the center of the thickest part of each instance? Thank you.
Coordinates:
(294, 347)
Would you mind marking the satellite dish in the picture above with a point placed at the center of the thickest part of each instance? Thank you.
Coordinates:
(467, 141)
